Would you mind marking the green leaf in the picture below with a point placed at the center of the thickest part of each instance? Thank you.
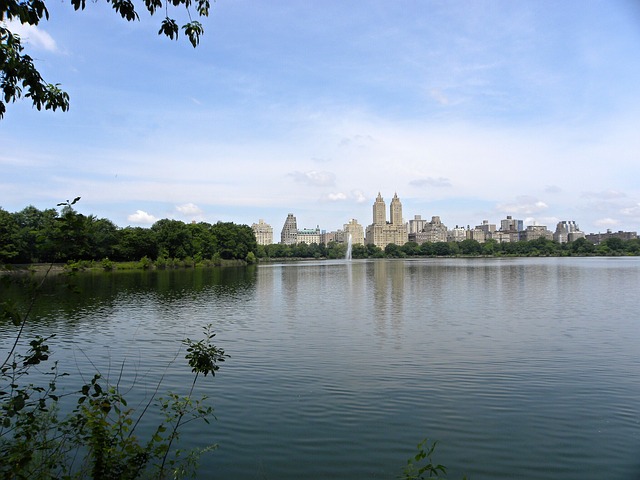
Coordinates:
(169, 27)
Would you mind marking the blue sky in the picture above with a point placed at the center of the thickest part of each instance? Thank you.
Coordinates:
(469, 110)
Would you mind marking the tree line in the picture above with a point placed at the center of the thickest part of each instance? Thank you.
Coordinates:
(36, 236)
(469, 247)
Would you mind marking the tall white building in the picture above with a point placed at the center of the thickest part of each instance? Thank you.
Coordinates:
(263, 232)
(356, 231)
(380, 233)
(567, 231)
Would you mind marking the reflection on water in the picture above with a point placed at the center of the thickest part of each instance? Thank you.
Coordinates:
(521, 368)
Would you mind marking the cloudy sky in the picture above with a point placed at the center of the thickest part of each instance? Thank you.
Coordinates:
(469, 110)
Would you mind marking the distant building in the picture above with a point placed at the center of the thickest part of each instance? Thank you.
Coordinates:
(505, 237)
(289, 234)
(433, 231)
(487, 228)
(567, 231)
(263, 232)
(417, 224)
(510, 224)
(533, 232)
(477, 234)
(380, 233)
(598, 238)
(356, 231)
(309, 236)
(326, 237)
(511, 230)
(456, 234)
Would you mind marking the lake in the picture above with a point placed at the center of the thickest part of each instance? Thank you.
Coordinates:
(523, 368)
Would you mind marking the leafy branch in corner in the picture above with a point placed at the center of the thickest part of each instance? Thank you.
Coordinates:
(20, 78)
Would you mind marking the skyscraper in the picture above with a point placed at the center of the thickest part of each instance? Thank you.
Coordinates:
(380, 233)
(289, 234)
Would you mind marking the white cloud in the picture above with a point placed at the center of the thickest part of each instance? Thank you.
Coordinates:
(633, 211)
(523, 205)
(142, 217)
(606, 222)
(359, 196)
(336, 197)
(431, 182)
(604, 195)
(189, 209)
(314, 178)
(33, 36)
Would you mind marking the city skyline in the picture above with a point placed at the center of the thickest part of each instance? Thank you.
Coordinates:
(407, 219)
(525, 108)
(397, 229)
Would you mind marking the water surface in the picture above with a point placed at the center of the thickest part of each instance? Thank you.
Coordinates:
(520, 368)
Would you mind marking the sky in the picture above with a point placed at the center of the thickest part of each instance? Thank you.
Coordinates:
(468, 110)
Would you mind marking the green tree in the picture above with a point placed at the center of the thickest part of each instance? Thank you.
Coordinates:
(427, 249)
(336, 250)
(615, 244)
(394, 251)
(20, 78)
(202, 239)
(9, 238)
(174, 238)
(135, 243)
(411, 249)
(301, 250)
(442, 249)
(581, 246)
(234, 241)
(278, 250)
(38, 230)
(359, 251)
(490, 247)
(470, 247)
(103, 237)
(633, 246)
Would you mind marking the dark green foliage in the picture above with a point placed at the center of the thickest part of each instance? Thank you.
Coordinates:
(359, 251)
(582, 247)
(422, 466)
(203, 356)
(234, 241)
(135, 243)
(18, 75)
(97, 438)
(393, 251)
(411, 249)
(34, 236)
(174, 238)
(9, 237)
(470, 247)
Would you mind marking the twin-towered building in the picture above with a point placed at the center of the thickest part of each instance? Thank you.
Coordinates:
(382, 232)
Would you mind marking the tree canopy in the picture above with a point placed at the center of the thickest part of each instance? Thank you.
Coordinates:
(19, 77)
